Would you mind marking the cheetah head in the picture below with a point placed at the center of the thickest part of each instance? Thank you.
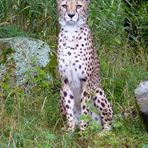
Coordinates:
(72, 12)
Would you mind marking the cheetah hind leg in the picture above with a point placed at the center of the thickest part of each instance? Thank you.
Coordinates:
(62, 107)
(101, 103)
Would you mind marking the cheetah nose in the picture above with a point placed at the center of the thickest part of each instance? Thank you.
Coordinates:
(71, 15)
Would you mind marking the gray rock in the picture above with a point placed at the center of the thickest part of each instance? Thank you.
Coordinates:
(141, 93)
(26, 54)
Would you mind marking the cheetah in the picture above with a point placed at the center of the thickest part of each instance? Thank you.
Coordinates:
(78, 66)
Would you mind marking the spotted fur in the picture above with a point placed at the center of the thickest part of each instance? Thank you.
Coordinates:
(79, 67)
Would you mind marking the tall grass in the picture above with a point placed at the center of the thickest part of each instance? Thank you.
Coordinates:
(107, 17)
(30, 117)
(38, 17)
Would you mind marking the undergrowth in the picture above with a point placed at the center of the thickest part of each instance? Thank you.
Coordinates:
(30, 117)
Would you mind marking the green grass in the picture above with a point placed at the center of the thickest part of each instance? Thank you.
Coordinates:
(30, 117)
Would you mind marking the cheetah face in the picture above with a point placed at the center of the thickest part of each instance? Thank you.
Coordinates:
(72, 12)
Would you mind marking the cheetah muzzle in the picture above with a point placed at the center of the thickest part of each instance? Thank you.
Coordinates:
(78, 67)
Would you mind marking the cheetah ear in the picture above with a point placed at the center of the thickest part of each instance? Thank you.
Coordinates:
(88, 1)
(58, 1)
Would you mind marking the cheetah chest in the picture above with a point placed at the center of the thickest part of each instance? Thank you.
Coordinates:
(73, 57)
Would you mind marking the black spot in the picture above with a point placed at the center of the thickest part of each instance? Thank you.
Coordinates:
(66, 81)
(84, 107)
(85, 125)
(101, 93)
(107, 120)
(104, 113)
(71, 97)
(102, 104)
(85, 94)
(68, 101)
(83, 79)
(94, 98)
(102, 117)
(97, 91)
(68, 53)
(82, 45)
(79, 66)
(98, 101)
(65, 93)
(85, 112)
(67, 106)
(95, 105)
(80, 38)
(77, 45)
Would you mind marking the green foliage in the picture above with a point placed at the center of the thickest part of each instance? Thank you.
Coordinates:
(6, 52)
(107, 17)
(10, 31)
(29, 116)
(137, 19)
(38, 17)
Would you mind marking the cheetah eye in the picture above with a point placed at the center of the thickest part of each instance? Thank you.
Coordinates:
(64, 6)
(79, 6)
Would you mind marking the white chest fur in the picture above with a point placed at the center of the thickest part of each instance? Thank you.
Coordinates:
(70, 57)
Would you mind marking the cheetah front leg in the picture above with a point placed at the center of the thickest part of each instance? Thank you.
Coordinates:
(68, 106)
(84, 109)
(101, 103)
